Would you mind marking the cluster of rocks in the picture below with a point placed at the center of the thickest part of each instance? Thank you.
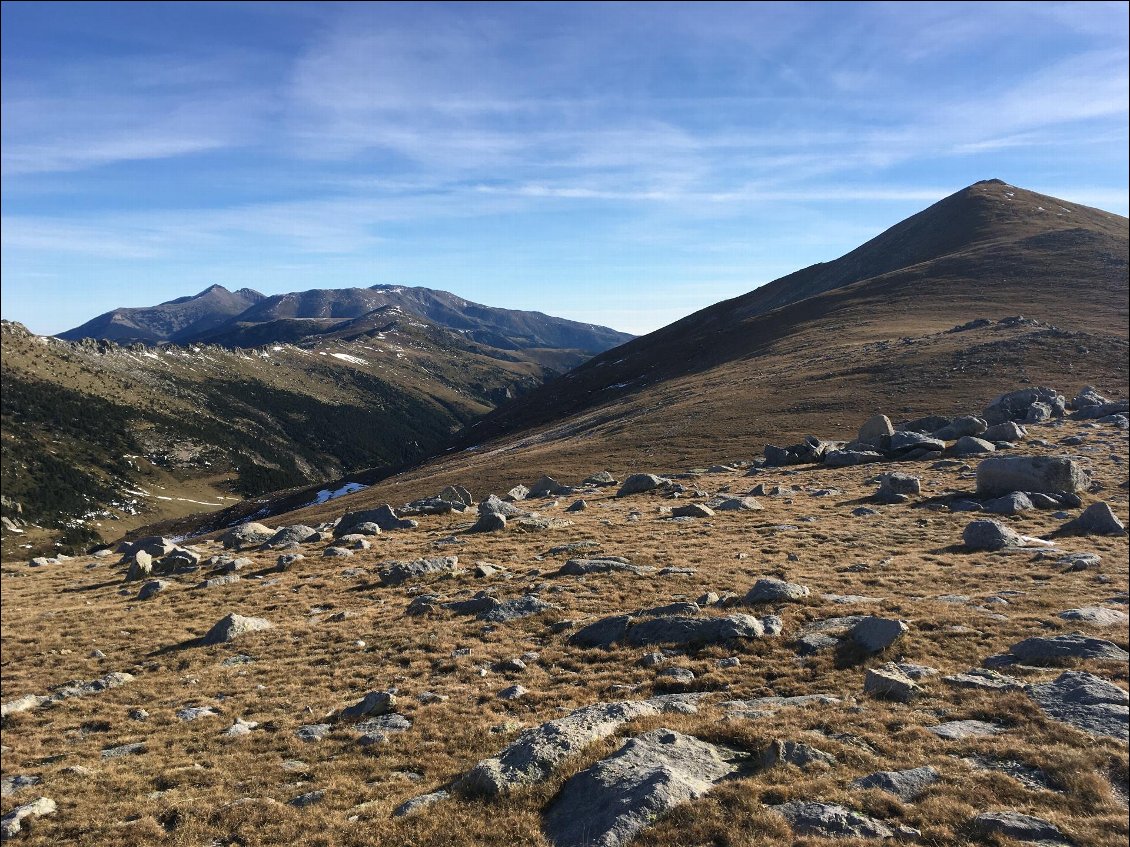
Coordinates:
(999, 426)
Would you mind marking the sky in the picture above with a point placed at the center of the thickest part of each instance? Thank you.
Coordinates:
(621, 164)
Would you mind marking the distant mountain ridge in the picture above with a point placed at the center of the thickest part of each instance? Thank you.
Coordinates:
(174, 321)
(219, 316)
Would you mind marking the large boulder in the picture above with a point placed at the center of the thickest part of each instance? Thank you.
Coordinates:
(1041, 649)
(771, 590)
(12, 823)
(1016, 826)
(394, 573)
(1097, 519)
(611, 802)
(907, 785)
(873, 634)
(829, 820)
(875, 430)
(294, 534)
(1085, 701)
(1017, 405)
(246, 535)
(638, 483)
(1008, 431)
(495, 505)
(383, 516)
(961, 427)
(990, 535)
(233, 626)
(1043, 474)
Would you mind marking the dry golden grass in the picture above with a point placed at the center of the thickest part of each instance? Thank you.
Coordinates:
(190, 785)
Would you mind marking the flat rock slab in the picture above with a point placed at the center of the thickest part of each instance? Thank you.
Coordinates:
(667, 630)
(1040, 649)
(1019, 827)
(581, 567)
(957, 730)
(1085, 701)
(608, 804)
(538, 752)
(830, 821)
(1097, 616)
(906, 785)
(12, 823)
(762, 706)
(394, 573)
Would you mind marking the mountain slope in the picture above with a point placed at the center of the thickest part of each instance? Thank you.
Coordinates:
(175, 320)
(730, 378)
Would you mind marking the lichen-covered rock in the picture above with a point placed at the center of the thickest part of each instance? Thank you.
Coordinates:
(232, 626)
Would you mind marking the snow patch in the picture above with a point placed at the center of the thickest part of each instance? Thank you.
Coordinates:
(345, 357)
(325, 495)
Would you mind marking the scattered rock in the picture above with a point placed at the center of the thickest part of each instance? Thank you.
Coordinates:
(513, 692)
(1010, 504)
(874, 635)
(990, 535)
(152, 588)
(638, 483)
(135, 748)
(394, 573)
(983, 678)
(1097, 519)
(890, 683)
(12, 823)
(608, 804)
(373, 703)
(1045, 649)
(580, 567)
(1097, 616)
(692, 510)
(829, 820)
(1019, 827)
(1044, 474)
(794, 753)
(417, 803)
(907, 785)
(296, 534)
(770, 590)
(313, 732)
(1085, 701)
(957, 730)
(246, 535)
(232, 626)
(384, 517)
(875, 430)
(10, 786)
(307, 799)
(518, 492)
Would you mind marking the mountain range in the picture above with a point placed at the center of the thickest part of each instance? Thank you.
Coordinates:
(248, 318)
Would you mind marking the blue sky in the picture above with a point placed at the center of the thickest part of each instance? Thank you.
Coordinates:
(623, 164)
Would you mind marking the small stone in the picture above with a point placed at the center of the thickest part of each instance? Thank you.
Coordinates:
(514, 692)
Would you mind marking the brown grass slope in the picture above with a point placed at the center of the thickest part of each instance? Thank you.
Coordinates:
(726, 380)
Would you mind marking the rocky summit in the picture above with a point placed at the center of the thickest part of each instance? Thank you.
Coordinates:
(843, 558)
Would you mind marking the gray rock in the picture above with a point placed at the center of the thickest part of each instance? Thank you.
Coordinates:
(489, 522)
(967, 445)
(1009, 431)
(1000, 475)
(538, 752)
(152, 588)
(217, 581)
(141, 567)
(313, 732)
(1085, 701)
(738, 504)
(1097, 616)
(134, 748)
(580, 567)
(384, 517)
(336, 552)
(849, 458)
(239, 729)
(246, 535)
(457, 494)
(990, 535)
(890, 683)
(602, 633)
(514, 609)
(496, 506)
(692, 510)
(1088, 396)
(985, 679)
(394, 573)
(1097, 519)
(770, 590)
(963, 427)
(233, 626)
(896, 485)
(602, 479)
(610, 803)
(1045, 649)
(1015, 405)
(373, 703)
(794, 753)
(957, 730)
(408, 807)
(195, 713)
(1117, 408)
(308, 799)
(761, 706)
(12, 823)
(876, 428)
(681, 676)
(907, 785)
(830, 821)
(518, 492)
(513, 692)
(577, 506)
(1010, 504)
(1079, 561)
(1019, 827)
(681, 630)
(1038, 413)
(874, 635)
(638, 483)
(903, 441)
(295, 534)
